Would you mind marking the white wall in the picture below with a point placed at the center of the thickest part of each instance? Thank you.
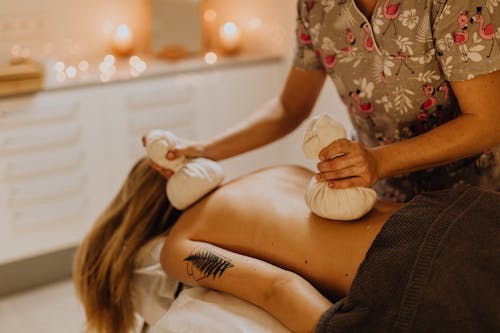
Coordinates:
(64, 27)
(75, 27)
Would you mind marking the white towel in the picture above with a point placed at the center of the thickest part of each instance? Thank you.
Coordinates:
(153, 291)
(200, 310)
(336, 204)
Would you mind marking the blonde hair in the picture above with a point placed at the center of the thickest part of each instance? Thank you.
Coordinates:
(104, 261)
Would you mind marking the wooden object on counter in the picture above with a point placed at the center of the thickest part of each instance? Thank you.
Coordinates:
(21, 78)
(174, 53)
(176, 23)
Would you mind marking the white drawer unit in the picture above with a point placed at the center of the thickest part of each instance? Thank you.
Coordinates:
(162, 93)
(25, 112)
(64, 153)
(23, 194)
(42, 171)
(42, 164)
(66, 210)
(166, 104)
(49, 137)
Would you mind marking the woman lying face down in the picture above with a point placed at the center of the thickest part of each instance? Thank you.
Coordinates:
(257, 234)
(256, 239)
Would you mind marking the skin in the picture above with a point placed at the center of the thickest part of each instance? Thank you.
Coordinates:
(362, 166)
(272, 249)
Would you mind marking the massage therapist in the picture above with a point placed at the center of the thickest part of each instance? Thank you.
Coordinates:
(420, 80)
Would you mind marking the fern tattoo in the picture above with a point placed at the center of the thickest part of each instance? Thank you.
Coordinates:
(205, 264)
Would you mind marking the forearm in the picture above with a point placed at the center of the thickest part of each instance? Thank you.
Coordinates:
(474, 131)
(285, 295)
(464, 136)
(273, 120)
(269, 123)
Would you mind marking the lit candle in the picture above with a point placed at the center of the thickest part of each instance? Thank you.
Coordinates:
(211, 58)
(123, 41)
(16, 55)
(229, 37)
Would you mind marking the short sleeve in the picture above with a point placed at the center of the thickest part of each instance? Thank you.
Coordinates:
(305, 55)
(467, 38)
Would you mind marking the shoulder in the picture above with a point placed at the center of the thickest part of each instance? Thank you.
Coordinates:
(274, 175)
(258, 188)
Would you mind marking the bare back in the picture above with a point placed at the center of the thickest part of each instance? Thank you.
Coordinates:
(264, 215)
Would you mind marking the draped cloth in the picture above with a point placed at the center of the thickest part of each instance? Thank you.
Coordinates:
(434, 267)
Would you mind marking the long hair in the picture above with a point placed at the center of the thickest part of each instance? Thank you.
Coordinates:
(104, 261)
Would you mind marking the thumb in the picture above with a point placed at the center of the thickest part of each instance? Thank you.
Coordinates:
(173, 154)
(187, 151)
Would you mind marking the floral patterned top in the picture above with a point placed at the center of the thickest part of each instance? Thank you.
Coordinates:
(393, 70)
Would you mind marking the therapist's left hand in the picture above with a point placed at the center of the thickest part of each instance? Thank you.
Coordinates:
(354, 165)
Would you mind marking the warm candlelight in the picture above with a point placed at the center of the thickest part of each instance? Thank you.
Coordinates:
(123, 41)
(210, 15)
(229, 37)
(211, 58)
(71, 72)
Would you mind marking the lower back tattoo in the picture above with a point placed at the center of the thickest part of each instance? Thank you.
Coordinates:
(204, 264)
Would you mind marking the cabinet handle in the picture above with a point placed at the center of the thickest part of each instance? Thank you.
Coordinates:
(56, 212)
(48, 164)
(46, 189)
(161, 118)
(175, 94)
(40, 139)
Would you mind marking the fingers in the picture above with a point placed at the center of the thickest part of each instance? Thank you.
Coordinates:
(339, 147)
(348, 183)
(339, 163)
(164, 172)
(345, 164)
(349, 172)
(190, 149)
(172, 155)
(355, 175)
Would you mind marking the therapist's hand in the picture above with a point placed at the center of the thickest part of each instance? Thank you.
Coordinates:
(354, 165)
(190, 149)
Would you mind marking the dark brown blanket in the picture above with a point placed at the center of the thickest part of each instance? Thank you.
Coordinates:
(434, 267)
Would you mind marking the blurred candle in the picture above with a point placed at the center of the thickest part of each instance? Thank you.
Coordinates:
(211, 58)
(229, 37)
(122, 42)
(71, 72)
(16, 55)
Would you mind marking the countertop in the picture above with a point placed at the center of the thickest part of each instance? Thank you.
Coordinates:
(122, 71)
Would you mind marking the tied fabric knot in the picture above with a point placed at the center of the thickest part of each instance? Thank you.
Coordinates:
(192, 178)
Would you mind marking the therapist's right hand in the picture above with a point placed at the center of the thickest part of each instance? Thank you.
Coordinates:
(190, 149)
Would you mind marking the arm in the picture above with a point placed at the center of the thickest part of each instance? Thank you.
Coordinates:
(283, 294)
(477, 129)
(272, 121)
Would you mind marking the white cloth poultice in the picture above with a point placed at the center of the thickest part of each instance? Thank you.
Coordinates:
(192, 178)
(158, 143)
(198, 177)
(321, 131)
(335, 204)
